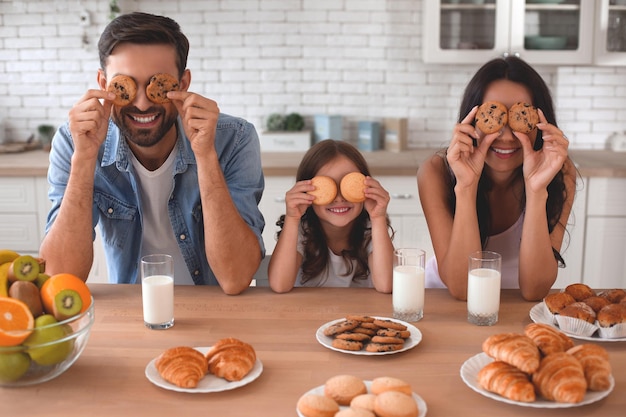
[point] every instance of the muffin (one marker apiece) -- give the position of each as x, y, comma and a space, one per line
579, 291
612, 321
579, 310
596, 302
614, 296
555, 302
578, 319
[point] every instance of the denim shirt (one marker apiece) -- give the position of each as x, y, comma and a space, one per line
117, 208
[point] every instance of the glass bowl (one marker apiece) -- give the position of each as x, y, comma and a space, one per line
39, 362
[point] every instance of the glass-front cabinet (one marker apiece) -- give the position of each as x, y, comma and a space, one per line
539, 31
610, 41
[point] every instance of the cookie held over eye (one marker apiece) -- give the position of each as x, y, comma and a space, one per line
125, 89
491, 117
160, 85
325, 190
353, 187
523, 117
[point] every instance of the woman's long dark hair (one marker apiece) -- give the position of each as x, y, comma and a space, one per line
513, 69
315, 257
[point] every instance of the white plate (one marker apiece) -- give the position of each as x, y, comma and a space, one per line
210, 383
421, 404
540, 314
411, 342
469, 374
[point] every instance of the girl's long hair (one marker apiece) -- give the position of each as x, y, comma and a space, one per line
316, 257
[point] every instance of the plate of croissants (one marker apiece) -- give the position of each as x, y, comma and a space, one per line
228, 364
539, 368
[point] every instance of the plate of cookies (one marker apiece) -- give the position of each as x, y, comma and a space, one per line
382, 396
228, 364
584, 313
368, 335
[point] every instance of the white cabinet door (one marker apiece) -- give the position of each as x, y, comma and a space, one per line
610, 33
605, 236
19, 225
572, 249
474, 32
272, 206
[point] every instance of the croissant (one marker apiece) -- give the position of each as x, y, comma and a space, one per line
547, 338
231, 359
515, 349
506, 380
596, 366
182, 366
560, 378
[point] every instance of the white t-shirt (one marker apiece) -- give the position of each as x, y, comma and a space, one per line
155, 188
506, 244
333, 275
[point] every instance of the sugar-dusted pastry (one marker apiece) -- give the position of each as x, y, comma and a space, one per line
560, 378
547, 338
231, 359
507, 381
596, 365
515, 349
182, 366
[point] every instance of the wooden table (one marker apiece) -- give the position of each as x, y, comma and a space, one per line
108, 379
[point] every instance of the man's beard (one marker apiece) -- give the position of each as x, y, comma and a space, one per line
143, 137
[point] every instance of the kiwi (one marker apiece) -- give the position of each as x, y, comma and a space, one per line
23, 268
41, 278
67, 303
27, 292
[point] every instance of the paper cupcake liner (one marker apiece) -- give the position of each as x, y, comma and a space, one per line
548, 313
614, 332
576, 326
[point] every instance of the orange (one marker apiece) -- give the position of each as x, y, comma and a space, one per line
60, 282
16, 321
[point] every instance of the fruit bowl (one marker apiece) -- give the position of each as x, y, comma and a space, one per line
48, 352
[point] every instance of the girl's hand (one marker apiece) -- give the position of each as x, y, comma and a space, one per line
89, 121
376, 198
542, 165
297, 200
465, 159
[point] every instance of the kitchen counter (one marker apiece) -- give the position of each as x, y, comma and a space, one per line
591, 163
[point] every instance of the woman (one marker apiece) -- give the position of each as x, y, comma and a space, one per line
507, 191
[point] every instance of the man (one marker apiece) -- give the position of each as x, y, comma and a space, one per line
176, 177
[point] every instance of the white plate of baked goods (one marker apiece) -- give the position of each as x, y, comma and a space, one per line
472, 366
368, 335
539, 313
209, 383
367, 400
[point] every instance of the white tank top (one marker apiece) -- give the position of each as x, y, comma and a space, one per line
506, 244
155, 188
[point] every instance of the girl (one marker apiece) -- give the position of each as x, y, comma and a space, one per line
341, 244
506, 192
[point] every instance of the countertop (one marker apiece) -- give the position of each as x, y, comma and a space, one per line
591, 163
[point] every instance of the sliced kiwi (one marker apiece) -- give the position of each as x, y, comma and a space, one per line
24, 268
67, 303
41, 278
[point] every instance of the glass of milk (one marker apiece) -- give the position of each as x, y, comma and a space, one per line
483, 288
157, 291
408, 284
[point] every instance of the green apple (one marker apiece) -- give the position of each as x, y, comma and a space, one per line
50, 354
13, 366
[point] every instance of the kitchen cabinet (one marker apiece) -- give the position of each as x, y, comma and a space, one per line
540, 32
610, 32
405, 211
605, 236
572, 249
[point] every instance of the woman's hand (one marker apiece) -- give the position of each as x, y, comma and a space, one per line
376, 198
297, 200
466, 159
542, 165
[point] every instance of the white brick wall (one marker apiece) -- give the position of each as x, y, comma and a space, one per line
357, 58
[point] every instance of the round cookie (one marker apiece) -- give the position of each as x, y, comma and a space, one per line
389, 324
388, 383
355, 412
491, 117
159, 86
312, 405
340, 327
343, 388
523, 117
353, 187
343, 344
325, 190
395, 404
125, 89
383, 347
364, 401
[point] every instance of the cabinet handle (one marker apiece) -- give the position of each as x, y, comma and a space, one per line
279, 199
401, 196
